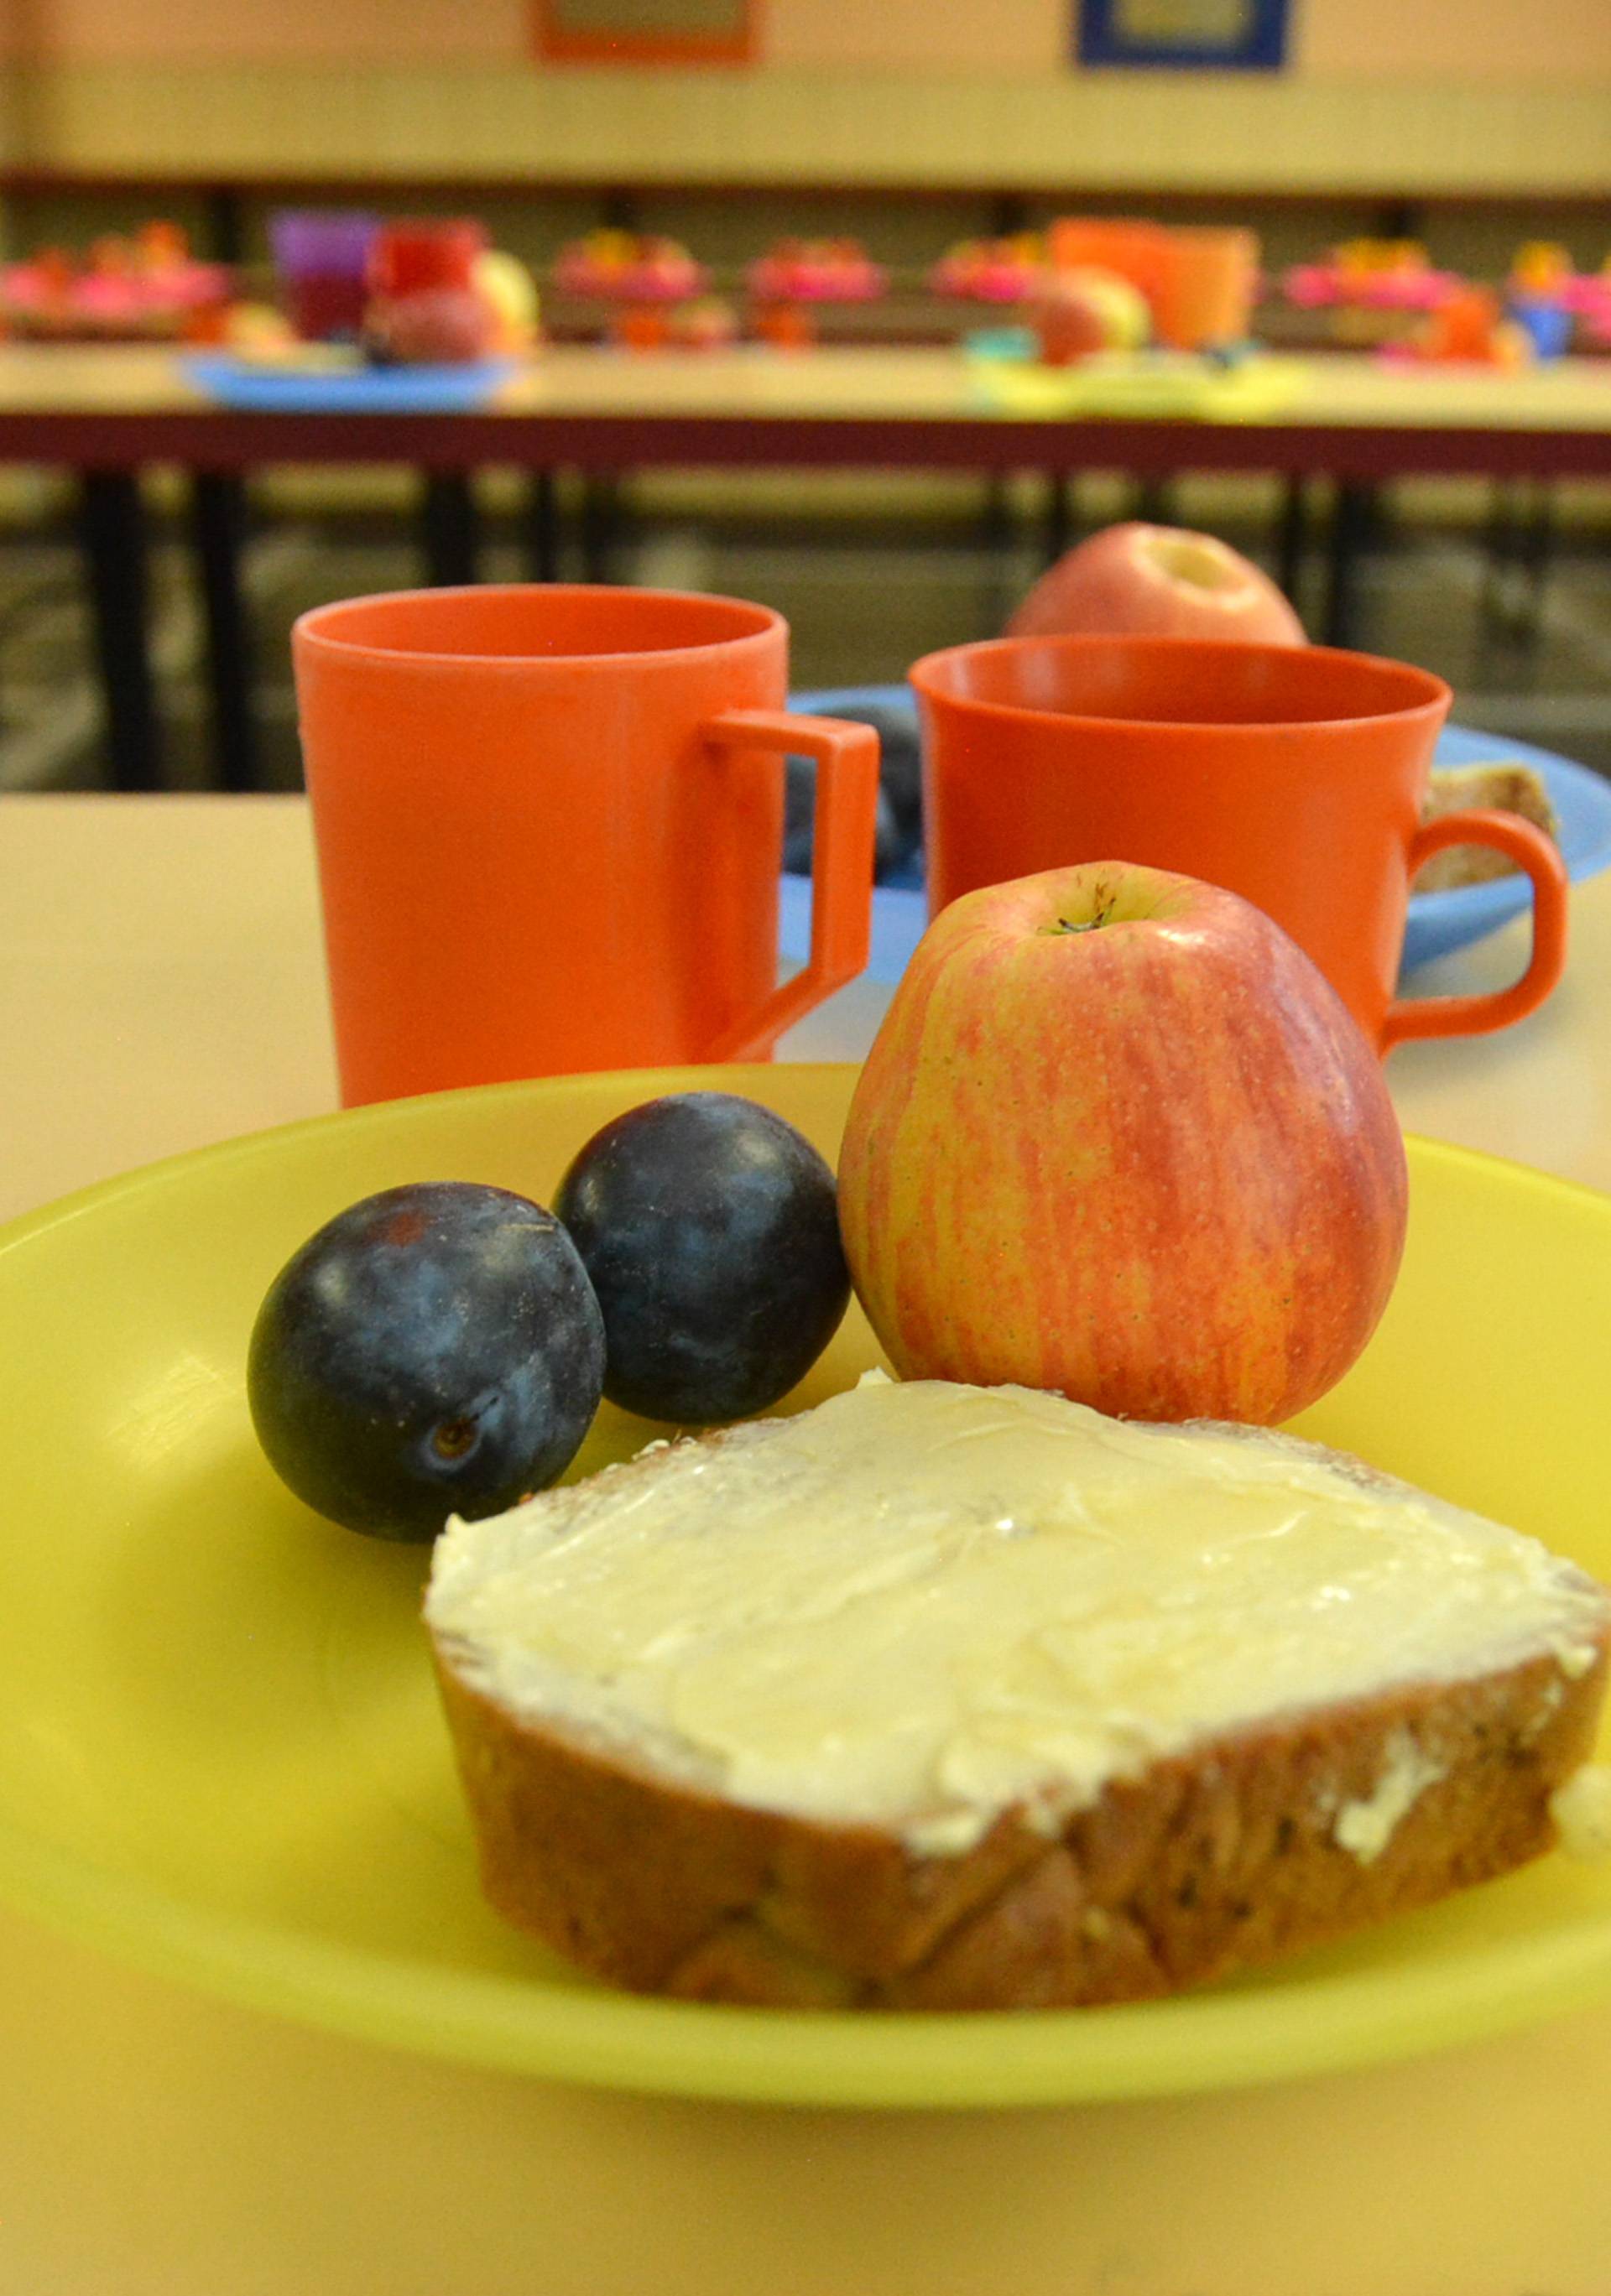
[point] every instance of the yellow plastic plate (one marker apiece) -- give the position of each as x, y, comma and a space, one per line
220, 1752
1147, 385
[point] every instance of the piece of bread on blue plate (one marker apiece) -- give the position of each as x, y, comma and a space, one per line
945, 1697
1501, 787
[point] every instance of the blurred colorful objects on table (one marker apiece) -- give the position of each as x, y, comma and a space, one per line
1375, 274
709, 323
989, 270
417, 291
629, 266
785, 326
1551, 298
140, 288
1535, 296
1108, 285
257, 330
423, 309
321, 259
1472, 327
815, 271
1540, 267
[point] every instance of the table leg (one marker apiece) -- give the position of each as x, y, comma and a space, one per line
996, 512
1499, 548
1519, 547
225, 225
600, 525
1292, 537
542, 527
1154, 502
450, 529
1062, 514
1538, 559
111, 527
1350, 524
218, 525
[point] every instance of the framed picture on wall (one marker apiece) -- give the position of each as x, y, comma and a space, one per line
646, 32
1183, 34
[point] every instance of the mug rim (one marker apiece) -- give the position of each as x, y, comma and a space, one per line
1437, 694
313, 628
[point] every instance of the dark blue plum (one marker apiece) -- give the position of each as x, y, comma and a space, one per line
709, 1230
434, 1351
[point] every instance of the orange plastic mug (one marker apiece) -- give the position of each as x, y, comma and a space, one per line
549, 824
1294, 775
1209, 287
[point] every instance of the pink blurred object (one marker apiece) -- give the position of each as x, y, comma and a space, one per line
1587, 295
989, 270
624, 266
48, 298
1322, 286
815, 271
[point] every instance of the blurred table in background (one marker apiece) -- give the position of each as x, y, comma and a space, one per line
108, 415
161, 988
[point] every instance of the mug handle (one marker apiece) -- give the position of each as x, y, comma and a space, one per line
842, 863
1540, 857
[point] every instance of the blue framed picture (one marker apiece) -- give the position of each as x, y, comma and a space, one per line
1184, 35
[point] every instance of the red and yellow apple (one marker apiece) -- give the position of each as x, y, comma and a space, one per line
432, 326
1077, 312
1117, 1136
1137, 581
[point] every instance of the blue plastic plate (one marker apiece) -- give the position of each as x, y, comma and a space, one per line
256, 388
1438, 923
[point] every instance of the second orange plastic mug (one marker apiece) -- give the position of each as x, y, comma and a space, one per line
549, 822
1294, 775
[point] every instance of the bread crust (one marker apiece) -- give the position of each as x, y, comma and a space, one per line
1202, 1863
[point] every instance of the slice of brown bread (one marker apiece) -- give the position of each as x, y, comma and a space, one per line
1498, 787
633, 1854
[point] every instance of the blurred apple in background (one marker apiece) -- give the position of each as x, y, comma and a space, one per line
1136, 580
1081, 311
509, 292
435, 326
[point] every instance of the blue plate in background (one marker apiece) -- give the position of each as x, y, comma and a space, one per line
1437, 923
252, 387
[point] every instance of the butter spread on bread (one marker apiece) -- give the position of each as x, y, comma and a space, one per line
948, 1616
920, 1602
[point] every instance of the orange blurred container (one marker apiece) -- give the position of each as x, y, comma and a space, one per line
1140, 252
549, 823
1208, 288
1294, 775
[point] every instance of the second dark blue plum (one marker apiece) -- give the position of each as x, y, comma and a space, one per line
435, 1350
708, 1228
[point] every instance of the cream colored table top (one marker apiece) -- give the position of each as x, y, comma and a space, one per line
160, 987
849, 383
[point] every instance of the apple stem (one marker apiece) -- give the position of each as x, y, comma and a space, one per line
1083, 925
